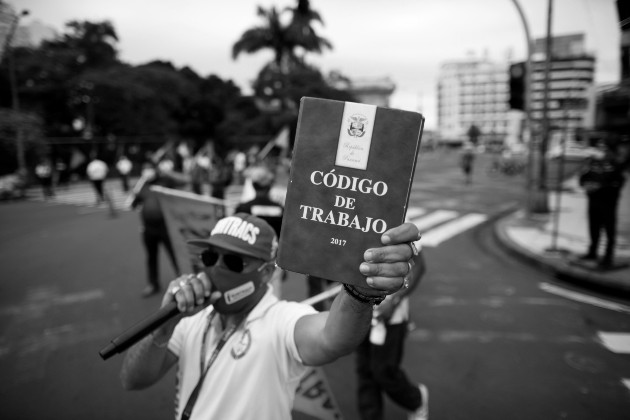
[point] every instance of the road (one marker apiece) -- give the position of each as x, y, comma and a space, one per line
493, 338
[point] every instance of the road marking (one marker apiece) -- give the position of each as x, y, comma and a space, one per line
436, 236
626, 383
413, 212
580, 297
434, 218
486, 337
616, 342
41, 300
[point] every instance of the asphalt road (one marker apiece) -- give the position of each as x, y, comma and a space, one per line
489, 340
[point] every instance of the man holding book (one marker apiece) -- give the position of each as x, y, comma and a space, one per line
240, 351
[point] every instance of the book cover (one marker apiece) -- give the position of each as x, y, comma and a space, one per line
351, 175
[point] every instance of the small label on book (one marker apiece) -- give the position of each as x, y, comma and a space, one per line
355, 137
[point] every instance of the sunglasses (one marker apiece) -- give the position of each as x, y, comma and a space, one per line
233, 262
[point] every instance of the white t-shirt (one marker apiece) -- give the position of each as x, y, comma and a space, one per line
255, 374
97, 170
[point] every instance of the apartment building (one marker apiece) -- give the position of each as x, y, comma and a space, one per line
571, 95
476, 91
473, 91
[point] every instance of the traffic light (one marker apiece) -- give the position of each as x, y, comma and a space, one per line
517, 86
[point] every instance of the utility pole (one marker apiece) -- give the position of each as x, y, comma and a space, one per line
15, 102
541, 204
527, 123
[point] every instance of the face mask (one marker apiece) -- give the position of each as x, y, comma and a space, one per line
239, 290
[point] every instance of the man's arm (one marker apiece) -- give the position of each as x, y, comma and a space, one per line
147, 361
324, 337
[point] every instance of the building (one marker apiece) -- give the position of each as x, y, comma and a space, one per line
473, 92
571, 94
476, 91
373, 91
613, 101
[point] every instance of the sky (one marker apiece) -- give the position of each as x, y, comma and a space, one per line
405, 40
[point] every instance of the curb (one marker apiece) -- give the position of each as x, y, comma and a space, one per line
555, 266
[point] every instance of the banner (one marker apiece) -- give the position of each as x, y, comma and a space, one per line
188, 216
315, 398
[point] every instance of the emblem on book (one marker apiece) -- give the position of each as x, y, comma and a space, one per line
357, 125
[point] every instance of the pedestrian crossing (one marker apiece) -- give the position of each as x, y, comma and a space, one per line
436, 225
83, 195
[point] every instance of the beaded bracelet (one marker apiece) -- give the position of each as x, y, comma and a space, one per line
355, 294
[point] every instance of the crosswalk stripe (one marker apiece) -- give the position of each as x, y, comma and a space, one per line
581, 297
616, 342
436, 236
414, 212
434, 218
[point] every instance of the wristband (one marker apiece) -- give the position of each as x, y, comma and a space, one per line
356, 295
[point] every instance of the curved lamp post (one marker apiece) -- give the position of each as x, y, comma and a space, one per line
19, 144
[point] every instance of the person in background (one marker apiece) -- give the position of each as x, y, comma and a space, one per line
379, 356
603, 180
154, 230
44, 172
263, 179
468, 161
124, 167
97, 173
240, 164
220, 176
240, 351
262, 205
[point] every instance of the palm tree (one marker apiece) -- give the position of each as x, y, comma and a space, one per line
283, 39
301, 30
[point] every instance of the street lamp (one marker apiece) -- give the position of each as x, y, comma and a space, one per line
527, 129
19, 143
537, 191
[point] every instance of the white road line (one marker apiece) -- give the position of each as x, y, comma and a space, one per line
580, 297
434, 218
436, 236
413, 212
616, 342
488, 337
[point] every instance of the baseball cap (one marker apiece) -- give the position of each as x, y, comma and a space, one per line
244, 234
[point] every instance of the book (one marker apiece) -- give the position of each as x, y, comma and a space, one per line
350, 179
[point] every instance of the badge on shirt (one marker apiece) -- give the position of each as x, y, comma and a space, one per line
242, 345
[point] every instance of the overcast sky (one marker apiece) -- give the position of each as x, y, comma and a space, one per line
406, 40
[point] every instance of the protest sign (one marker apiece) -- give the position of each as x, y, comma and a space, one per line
188, 216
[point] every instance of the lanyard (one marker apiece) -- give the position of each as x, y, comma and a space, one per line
204, 369
224, 338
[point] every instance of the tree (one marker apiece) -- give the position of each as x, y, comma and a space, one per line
301, 29
31, 129
283, 39
94, 41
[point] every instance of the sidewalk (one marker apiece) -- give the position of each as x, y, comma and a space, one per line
556, 245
